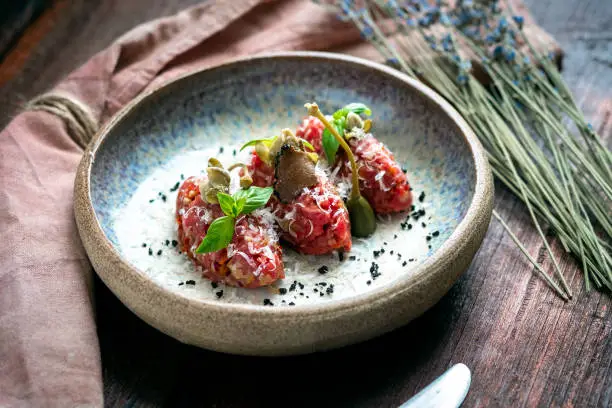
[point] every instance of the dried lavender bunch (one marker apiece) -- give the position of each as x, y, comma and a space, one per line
537, 139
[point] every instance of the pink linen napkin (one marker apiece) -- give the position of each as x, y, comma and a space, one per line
49, 354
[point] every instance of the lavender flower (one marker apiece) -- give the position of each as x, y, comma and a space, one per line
519, 20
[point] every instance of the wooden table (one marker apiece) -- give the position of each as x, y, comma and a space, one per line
524, 345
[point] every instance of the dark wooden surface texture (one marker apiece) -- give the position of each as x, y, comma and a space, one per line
524, 346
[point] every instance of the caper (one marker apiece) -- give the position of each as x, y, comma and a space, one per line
246, 181
353, 120
213, 162
363, 222
218, 177
211, 196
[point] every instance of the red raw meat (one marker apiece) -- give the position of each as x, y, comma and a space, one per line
316, 222
252, 259
381, 180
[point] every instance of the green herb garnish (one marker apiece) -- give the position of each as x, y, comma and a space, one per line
330, 143
339, 123
218, 236
357, 108
242, 202
266, 142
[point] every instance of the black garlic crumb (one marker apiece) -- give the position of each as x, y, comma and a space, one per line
374, 270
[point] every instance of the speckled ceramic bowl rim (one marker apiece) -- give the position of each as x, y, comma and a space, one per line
481, 202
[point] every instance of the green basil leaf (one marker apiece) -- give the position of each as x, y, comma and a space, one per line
340, 113
218, 236
357, 108
268, 142
340, 124
330, 146
239, 205
255, 197
227, 203
241, 195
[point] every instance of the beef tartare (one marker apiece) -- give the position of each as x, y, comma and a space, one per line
253, 258
308, 209
381, 180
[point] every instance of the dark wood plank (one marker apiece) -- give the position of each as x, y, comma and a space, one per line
524, 346
15, 17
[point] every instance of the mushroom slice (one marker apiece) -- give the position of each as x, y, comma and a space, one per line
295, 170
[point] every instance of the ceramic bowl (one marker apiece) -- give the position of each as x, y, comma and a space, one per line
126, 187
